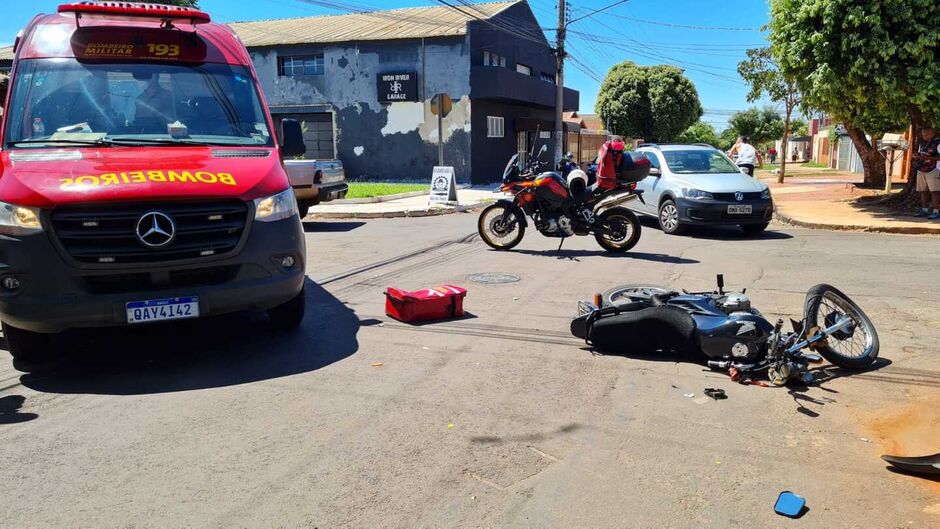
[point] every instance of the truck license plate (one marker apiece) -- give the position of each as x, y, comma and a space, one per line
162, 309
736, 209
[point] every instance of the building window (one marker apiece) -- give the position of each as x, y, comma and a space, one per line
523, 69
494, 127
547, 77
492, 59
292, 65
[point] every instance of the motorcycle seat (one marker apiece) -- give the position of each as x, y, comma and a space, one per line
643, 331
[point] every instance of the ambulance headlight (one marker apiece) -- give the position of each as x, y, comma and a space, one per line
19, 220
276, 207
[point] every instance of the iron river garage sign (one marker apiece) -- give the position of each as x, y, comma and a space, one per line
397, 86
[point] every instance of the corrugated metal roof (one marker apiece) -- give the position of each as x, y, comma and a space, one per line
6, 53
409, 23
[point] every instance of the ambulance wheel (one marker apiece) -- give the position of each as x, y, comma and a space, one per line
26, 347
289, 315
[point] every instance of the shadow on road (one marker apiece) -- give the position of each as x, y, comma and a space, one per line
719, 233
824, 374
10, 410
330, 227
574, 254
199, 354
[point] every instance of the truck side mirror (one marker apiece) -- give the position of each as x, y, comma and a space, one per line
292, 139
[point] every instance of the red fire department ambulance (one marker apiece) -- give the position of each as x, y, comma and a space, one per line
140, 179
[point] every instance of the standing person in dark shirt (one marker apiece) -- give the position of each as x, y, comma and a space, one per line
928, 173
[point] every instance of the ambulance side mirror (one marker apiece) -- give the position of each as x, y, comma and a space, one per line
655, 172
292, 139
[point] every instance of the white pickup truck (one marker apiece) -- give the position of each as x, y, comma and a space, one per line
316, 181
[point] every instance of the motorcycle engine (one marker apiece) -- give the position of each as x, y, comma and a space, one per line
561, 226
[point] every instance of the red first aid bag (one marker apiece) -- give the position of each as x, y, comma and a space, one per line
438, 303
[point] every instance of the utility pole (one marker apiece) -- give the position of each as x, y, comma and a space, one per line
560, 84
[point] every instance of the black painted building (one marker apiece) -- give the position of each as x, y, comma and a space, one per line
363, 83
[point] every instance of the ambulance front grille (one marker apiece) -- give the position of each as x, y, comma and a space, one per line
108, 233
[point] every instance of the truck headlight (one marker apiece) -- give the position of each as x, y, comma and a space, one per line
697, 194
19, 220
765, 194
276, 207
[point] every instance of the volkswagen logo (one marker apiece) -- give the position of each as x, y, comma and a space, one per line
155, 229
739, 196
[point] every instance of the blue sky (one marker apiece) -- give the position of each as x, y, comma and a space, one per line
680, 32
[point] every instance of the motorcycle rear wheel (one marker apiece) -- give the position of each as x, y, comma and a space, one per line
494, 233
631, 293
627, 234
855, 348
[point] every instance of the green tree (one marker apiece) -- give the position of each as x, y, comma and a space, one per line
799, 127
727, 138
701, 132
760, 125
871, 64
182, 3
761, 72
655, 103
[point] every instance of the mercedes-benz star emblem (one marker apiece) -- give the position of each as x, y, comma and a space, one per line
739, 196
155, 229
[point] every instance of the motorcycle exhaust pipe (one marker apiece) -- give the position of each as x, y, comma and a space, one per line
719, 365
615, 200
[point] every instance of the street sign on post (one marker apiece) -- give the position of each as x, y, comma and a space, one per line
439, 101
441, 105
443, 186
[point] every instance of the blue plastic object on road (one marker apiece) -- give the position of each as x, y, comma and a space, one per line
790, 504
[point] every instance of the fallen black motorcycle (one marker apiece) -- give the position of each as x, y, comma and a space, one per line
563, 206
732, 335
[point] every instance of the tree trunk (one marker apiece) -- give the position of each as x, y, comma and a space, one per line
872, 161
784, 144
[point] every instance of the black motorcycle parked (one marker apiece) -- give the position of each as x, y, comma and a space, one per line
732, 335
559, 208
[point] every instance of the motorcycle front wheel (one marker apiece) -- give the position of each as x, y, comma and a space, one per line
624, 230
853, 348
498, 234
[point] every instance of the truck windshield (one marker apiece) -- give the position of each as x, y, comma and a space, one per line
699, 161
64, 101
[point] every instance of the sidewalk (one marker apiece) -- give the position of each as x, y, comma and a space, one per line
828, 199
408, 206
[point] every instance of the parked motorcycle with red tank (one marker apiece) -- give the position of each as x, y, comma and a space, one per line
563, 207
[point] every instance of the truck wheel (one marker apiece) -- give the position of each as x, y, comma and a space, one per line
287, 316
303, 209
26, 347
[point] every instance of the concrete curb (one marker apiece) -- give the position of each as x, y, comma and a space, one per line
383, 198
396, 214
901, 230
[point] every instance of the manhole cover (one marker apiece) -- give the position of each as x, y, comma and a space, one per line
493, 278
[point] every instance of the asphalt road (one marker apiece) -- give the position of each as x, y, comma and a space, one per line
498, 420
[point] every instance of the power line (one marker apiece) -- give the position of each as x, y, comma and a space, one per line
596, 11
683, 26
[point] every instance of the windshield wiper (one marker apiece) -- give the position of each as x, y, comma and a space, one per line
57, 142
164, 141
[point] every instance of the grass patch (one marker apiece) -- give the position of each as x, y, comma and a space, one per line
814, 165
378, 189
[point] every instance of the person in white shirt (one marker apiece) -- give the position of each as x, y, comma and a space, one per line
748, 156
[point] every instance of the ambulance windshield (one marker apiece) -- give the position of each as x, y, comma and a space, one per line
64, 101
